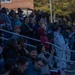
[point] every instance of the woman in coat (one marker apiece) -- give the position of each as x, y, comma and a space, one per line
60, 42
41, 31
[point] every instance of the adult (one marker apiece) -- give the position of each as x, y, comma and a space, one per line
32, 55
5, 19
36, 68
42, 34
11, 50
17, 30
60, 42
25, 28
48, 59
22, 66
18, 22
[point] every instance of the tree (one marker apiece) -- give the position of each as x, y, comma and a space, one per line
60, 7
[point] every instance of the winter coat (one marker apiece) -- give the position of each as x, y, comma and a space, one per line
64, 55
43, 37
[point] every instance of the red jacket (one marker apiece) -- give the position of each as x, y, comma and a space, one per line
43, 37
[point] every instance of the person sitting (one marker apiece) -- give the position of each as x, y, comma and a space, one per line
22, 66
32, 55
36, 68
16, 30
48, 59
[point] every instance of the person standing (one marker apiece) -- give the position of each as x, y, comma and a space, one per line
60, 42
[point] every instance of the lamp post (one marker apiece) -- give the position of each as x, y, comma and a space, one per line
51, 14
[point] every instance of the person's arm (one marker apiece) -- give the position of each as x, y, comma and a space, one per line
26, 50
8, 22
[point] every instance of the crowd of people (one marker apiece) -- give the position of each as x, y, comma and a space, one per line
16, 58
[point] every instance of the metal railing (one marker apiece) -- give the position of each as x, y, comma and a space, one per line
59, 47
34, 39
20, 35
24, 43
45, 51
49, 54
65, 70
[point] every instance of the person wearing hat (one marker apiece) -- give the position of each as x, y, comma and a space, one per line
17, 30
